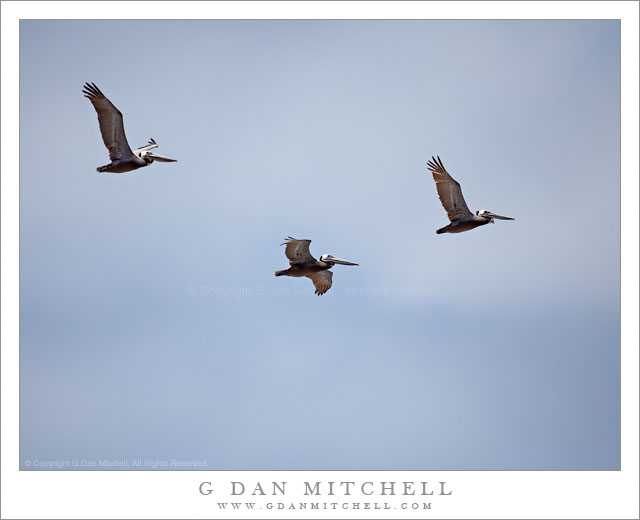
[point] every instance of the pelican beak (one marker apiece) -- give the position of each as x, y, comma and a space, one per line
495, 215
337, 260
159, 158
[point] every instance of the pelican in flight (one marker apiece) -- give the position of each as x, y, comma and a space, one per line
453, 202
112, 129
303, 264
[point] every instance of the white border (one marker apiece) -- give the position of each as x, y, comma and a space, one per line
175, 494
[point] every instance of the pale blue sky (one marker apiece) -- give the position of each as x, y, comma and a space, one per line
152, 325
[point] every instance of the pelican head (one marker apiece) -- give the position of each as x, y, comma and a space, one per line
150, 157
331, 260
490, 215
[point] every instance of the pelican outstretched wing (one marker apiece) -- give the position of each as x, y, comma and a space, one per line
297, 251
149, 146
449, 191
111, 125
322, 281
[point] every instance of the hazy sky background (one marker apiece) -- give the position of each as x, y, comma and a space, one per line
152, 326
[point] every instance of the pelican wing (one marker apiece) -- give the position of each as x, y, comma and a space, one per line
449, 191
149, 146
297, 251
322, 281
111, 125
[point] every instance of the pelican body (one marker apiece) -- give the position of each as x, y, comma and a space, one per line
304, 264
471, 222
123, 159
450, 194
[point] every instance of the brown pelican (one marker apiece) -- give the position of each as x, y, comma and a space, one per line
453, 202
112, 129
303, 264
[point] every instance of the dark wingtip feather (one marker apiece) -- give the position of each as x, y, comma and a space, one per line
91, 90
287, 240
436, 164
